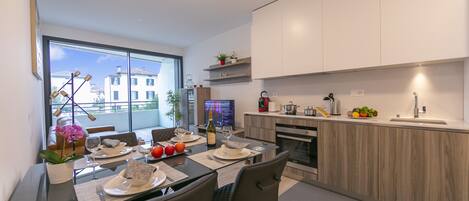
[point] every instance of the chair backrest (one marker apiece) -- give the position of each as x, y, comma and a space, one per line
99, 129
260, 181
129, 138
164, 134
200, 190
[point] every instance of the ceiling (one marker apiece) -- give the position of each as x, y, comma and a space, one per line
174, 22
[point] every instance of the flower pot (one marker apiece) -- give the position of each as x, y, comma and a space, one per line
222, 62
60, 173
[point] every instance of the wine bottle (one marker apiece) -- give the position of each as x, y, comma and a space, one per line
211, 131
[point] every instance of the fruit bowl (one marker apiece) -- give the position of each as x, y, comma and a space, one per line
362, 113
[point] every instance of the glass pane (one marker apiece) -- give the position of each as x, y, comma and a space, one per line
105, 96
154, 77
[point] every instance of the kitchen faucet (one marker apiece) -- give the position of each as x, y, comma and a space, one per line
416, 106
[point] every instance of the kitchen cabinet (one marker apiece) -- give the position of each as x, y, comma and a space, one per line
351, 34
266, 42
348, 157
259, 127
423, 30
302, 36
418, 165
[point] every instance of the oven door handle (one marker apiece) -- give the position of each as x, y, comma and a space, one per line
293, 138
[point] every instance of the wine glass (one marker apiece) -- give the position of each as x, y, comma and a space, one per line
92, 144
145, 150
227, 132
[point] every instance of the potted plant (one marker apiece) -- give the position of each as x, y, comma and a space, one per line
222, 58
173, 99
60, 165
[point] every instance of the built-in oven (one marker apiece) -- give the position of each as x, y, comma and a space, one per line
302, 144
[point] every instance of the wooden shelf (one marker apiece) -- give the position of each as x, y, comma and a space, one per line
228, 77
240, 62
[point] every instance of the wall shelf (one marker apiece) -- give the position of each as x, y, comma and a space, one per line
229, 77
231, 72
239, 63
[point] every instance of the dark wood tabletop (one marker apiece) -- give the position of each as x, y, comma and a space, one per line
35, 185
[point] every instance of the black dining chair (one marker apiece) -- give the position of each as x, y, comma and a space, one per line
255, 182
202, 189
163, 134
129, 138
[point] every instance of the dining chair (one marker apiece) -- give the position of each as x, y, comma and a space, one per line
255, 182
163, 134
129, 138
202, 189
100, 129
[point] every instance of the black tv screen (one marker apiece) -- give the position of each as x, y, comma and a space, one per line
223, 112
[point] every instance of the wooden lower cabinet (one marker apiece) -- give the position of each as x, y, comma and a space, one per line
348, 157
259, 127
418, 165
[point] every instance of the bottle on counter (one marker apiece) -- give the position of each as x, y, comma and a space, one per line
211, 131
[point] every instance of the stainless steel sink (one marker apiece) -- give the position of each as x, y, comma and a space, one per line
419, 120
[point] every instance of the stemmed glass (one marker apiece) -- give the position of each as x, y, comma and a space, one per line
227, 132
144, 150
92, 144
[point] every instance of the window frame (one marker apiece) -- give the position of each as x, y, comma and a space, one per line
46, 40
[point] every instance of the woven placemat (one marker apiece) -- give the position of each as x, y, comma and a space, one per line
208, 160
87, 191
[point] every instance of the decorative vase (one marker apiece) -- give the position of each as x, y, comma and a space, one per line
60, 173
222, 62
233, 61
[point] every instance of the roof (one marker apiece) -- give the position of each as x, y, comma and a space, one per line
136, 71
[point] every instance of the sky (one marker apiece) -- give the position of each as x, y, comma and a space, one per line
97, 64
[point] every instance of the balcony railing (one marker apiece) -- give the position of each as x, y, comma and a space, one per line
108, 107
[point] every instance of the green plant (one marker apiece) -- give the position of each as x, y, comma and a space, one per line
222, 57
173, 99
55, 158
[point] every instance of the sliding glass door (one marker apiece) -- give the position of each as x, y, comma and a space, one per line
128, 103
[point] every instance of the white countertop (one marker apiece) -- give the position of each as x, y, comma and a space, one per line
452, 126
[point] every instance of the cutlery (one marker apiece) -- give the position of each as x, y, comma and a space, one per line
100, 192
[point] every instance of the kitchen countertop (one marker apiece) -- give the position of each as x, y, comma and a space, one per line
451, 126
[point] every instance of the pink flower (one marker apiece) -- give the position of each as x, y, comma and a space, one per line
70, 132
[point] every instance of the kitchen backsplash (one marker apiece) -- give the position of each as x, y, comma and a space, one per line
439, 87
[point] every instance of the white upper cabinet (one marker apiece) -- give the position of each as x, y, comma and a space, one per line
351, 34
302, 36
424, 30
266, 42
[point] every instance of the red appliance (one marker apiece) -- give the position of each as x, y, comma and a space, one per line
264, 102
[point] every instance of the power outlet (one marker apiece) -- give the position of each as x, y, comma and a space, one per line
357, 92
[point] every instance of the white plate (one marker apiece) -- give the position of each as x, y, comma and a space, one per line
117, 187
101, 155
191, 139
221, 155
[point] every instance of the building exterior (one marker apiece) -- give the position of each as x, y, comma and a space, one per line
143, 88
87, 94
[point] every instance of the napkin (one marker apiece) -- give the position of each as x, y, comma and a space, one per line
138, 171
109, 143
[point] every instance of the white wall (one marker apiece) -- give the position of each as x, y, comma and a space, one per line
101, 38
166, 81
21, 103
440, 86
201, 55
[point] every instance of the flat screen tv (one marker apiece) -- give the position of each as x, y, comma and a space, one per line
223, 112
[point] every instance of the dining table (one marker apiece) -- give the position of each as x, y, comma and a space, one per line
181, 170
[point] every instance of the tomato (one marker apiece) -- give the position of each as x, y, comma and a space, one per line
180, 146
363, 115
157, 152
169, 150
